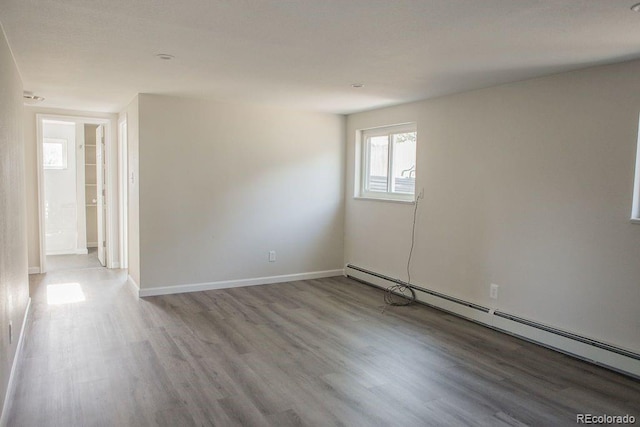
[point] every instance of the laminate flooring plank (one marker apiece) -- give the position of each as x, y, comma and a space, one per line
596, 402
502, 420
349, 390
491, 396
406, 396
96, 406
288, 418
247, 383
296, 335
335, 410
230, 335
241, 410
200, 326
225, 306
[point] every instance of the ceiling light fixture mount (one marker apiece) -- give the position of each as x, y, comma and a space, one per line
29, 96
165, 56
636, 7
357, 85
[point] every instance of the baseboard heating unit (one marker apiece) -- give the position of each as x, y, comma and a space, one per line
597, 352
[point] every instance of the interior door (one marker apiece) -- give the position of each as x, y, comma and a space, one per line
60, 187
101, 193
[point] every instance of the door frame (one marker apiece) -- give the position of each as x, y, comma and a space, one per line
101, 204
123, 189
111, 220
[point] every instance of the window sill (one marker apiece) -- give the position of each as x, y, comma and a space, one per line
380, 199
635, 220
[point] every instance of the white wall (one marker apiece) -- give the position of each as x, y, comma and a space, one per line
30, 141
527, 185
222, 184
60, 196
14, 282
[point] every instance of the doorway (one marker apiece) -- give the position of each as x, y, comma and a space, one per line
73, 190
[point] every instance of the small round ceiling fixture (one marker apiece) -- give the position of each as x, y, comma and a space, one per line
636, 7
165, 56
29, 96
357, 85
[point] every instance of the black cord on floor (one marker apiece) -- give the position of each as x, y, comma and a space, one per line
396, 295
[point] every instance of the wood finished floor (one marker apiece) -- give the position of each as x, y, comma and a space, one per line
315, 353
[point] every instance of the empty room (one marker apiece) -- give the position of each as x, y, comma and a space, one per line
319, 213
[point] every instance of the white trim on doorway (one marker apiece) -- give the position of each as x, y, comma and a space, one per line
123, 189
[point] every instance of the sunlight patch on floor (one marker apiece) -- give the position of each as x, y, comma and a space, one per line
64, 293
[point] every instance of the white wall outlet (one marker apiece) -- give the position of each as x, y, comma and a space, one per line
272, 256
493, 291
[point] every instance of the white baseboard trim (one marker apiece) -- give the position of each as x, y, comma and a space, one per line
34, 270
606, 355
178, 289
92, 244
12, 376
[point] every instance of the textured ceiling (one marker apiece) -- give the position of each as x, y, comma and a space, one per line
97, 54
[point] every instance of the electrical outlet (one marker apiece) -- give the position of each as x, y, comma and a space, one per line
272, 256
10, 332
493, 291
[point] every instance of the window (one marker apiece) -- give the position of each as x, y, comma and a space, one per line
388, 168
54, 153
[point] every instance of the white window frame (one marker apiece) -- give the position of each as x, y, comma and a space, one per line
365, 135
64, 156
